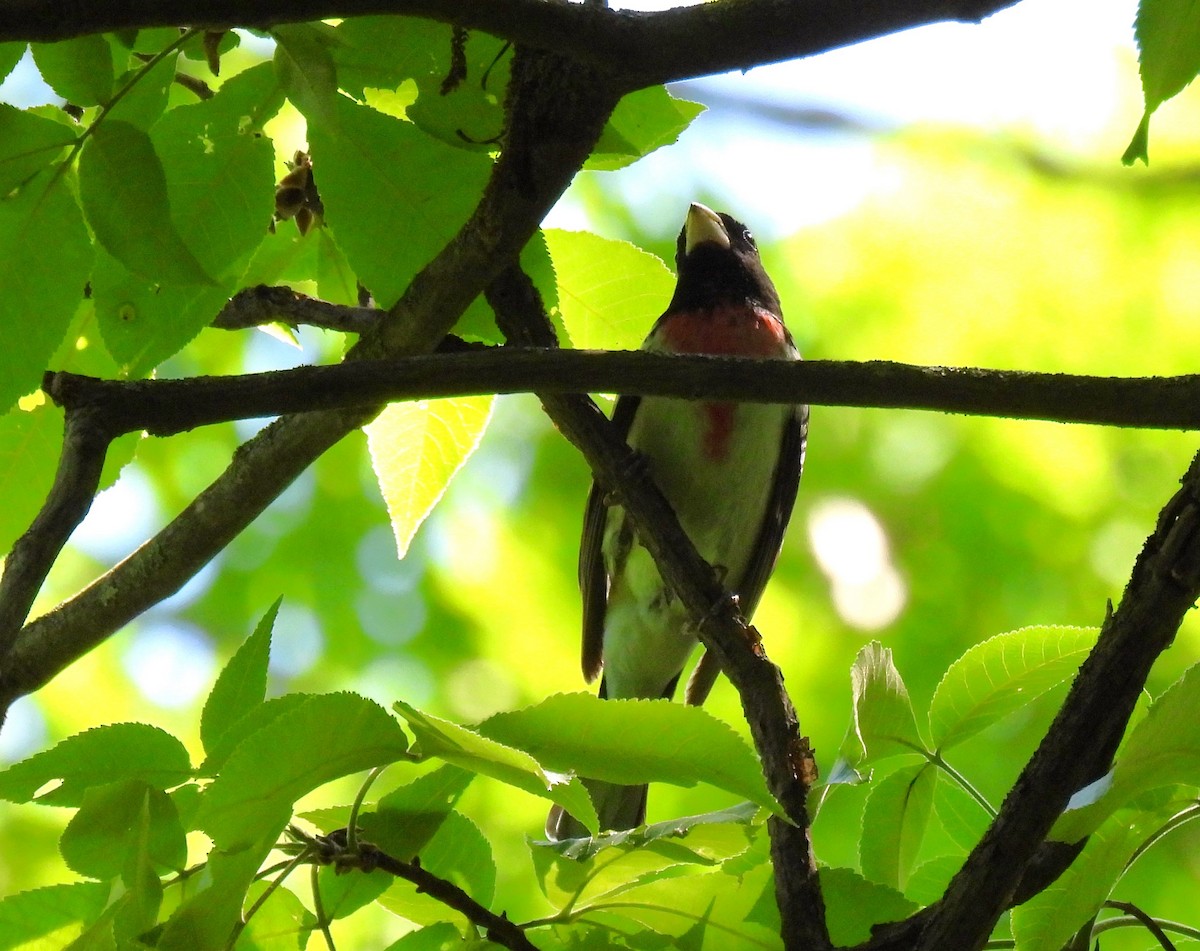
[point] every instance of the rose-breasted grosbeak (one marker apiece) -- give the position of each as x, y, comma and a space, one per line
729, 470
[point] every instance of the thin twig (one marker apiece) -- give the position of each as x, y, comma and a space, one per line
1147, 922
256, 306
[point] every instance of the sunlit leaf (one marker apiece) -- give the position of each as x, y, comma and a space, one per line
41, 291
280, 923
1048, 920
1168, 38
27, 144
54, 914
416, 448
242, 684
884, 724
462, 747
325, 737
79, 69
124, 193
104, 754
621, 741
1001, 675
894, 822
1162, 750
107, 830
642, 122
853, 905
609, 292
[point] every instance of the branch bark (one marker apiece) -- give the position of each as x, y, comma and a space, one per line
647, 48
1081, 742
164, 407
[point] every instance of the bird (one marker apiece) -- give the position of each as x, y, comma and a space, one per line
730, 471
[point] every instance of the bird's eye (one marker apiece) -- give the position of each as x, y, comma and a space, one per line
749, 238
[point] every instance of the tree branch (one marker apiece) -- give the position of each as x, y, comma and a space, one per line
1080, 744
262, 304
787, 758
647, 48
164, 407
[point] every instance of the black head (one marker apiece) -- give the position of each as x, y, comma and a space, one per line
718, 263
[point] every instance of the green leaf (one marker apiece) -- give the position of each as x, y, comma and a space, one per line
28, 143
52, 916
241, 686
393, 195
107, 830
140, 904
41, 291
459, 853
442, 936
323, 738
205, 919
963, 818
895, 818
80, 70
435, 737
30, 443
634, 741
147, 93
853, 905
415, 812
929, 880
884, 724
305, 67
104, 754
1162, 750
1048, 920
1002, 675
124, 194
10, 55
609, 292
1168, 39
255, 719
642, 122
280, 923
416, 448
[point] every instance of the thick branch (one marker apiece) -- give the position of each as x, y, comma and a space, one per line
1084, 736
163, 407
787, 758
647, 48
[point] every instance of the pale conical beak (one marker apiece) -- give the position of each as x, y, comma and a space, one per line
703, 226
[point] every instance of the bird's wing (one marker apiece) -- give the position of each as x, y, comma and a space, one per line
593, 577
766, 547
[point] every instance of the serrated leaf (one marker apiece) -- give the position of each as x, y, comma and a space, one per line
41, 291
28, 143
10, 55
384, 186
1002, 675
435, 737
253, 720
884, 724
853, 905
108, 829
964, 819
205, 919
442, 936
643, 121
242, 684
80, 69
634, 741
929, 880
124, 193
416, 448
104, 754
609, 292
54, 915
895, 818
1048, 920
1168, 39
1162, 750
325, 737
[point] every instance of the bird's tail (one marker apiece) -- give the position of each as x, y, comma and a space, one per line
619, 808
